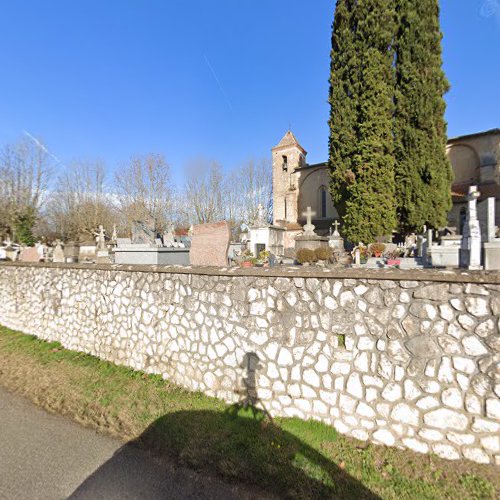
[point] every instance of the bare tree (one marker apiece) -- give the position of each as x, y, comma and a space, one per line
25, 168
251, 185
81, 202
211, 196
145, 191
204, 193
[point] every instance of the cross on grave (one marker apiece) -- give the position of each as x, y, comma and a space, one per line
336, 232
309, 227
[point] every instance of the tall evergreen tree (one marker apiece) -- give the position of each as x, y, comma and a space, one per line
422, 170
361, 138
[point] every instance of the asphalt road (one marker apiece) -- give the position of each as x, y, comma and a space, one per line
45, 456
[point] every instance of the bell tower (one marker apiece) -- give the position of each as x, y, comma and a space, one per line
288, 156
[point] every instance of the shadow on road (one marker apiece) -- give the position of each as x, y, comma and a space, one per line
241, 445
238, 448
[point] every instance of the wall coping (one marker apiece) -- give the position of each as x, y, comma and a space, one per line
437, 275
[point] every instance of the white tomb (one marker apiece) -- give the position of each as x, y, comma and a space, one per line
264, 236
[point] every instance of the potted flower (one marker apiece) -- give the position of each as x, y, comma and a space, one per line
263, 258
247, 259
393, 257
376, 249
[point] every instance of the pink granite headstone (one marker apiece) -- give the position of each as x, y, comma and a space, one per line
29, 254
210, 244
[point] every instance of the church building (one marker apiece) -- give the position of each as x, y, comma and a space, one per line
475, 160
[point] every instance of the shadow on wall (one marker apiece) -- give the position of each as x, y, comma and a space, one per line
248, 389
239, 445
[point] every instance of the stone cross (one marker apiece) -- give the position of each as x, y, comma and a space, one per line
336, 224
309, 227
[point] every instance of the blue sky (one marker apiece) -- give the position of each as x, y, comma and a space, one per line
219, 79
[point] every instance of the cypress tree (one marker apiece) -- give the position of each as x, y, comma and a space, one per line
361, 157
423, 173
24, 222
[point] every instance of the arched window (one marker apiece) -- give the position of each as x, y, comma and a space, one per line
322, 202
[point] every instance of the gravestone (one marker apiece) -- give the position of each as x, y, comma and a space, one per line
114, 236
309, 239
58, 253
486, 216
335, 241
87, 251
210, 244
42, 251
29, 254
11, 252
169, 238
123, 241
470, 251
71, 251
142, 234
101, 240
491, 244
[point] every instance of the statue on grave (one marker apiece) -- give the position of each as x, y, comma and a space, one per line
169, 237
260, 220
410, 244
100, 239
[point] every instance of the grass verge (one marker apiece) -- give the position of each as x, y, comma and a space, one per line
286, 457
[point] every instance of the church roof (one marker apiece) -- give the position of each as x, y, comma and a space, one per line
289, 140
493, 131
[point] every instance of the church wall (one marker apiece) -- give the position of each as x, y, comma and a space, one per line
476, 152
465, 163
310, 182
475, 159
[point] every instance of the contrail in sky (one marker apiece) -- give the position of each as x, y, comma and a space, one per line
41, 146
214, 74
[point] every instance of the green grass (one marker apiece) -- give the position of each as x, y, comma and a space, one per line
288, 457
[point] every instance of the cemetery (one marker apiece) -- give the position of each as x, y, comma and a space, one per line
211, 245
360, 293
391, 342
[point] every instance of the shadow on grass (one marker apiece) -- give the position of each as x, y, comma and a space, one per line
239, 446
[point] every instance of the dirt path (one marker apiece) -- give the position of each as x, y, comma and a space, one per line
45, 456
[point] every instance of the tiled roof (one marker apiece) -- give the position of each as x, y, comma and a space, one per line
493, 131
289, 140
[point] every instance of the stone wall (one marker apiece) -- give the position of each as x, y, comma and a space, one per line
398, 358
